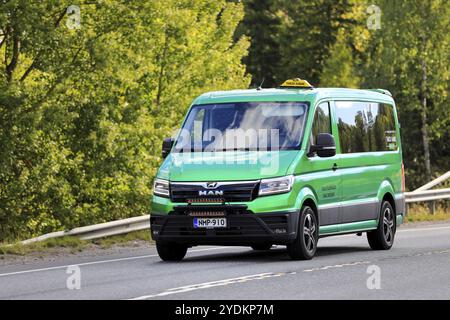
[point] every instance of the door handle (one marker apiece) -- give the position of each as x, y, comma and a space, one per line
335, 167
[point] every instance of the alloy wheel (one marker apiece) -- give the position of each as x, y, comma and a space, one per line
309, 232
388, 225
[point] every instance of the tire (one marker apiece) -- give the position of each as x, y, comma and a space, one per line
262, 247
304, 246
383, 237
171, 252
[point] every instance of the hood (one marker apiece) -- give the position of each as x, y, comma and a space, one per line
226, 166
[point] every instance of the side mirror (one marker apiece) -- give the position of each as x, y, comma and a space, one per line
167, 146
325, 147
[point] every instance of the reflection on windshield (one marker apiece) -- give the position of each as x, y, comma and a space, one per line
243, 127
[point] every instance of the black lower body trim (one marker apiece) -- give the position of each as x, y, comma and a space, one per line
242, 229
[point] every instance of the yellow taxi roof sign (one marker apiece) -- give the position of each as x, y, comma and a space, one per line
296, 83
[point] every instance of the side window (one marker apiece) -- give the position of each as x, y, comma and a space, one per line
366, 127
322, 121
385, 130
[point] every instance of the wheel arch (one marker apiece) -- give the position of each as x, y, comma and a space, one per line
306, 196
389, 198
386, 193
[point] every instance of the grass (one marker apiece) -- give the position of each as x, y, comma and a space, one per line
420, 213
123, 240
73, 244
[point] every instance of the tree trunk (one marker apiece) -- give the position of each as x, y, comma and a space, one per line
162, 61
15, 55
424, 129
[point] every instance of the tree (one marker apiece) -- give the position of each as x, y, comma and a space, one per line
339, 69
261, 23
83, 108
309, 29
342, 66
291, 39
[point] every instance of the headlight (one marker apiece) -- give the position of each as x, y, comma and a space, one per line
161, 188
275, 186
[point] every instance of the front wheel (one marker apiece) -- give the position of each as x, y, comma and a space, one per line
383, 237
304, 246
171, 252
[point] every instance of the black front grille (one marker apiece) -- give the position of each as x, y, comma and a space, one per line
193, 192
237, 225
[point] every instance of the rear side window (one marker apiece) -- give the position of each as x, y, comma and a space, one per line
322, 121
366, 127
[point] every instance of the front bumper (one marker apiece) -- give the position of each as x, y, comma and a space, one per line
243, 227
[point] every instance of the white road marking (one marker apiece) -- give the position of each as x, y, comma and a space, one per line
206, 285
357, 263
261, 276
243, 279
107, 261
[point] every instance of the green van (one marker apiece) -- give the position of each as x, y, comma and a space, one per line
282, 166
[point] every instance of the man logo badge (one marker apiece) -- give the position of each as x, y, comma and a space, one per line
211, 185
211, 193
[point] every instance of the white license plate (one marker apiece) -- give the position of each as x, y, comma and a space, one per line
210, 223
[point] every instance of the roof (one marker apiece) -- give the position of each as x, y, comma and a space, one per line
283, 94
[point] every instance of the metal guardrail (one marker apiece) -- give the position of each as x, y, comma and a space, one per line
427, 195
143, 222
100, 230
423, 194
434, 183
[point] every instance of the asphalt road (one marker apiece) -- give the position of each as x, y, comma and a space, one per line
417, 267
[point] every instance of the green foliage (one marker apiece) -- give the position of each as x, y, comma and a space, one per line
262, 23
83, 111
291, 39
339, 69
309, 30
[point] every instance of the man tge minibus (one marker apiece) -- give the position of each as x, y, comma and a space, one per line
283, 166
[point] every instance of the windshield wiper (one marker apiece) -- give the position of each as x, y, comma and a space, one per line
235, 149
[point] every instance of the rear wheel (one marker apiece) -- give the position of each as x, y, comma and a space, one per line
304, 246
383, 237
262, 247
171, 252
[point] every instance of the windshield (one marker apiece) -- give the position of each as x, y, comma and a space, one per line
243, 126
